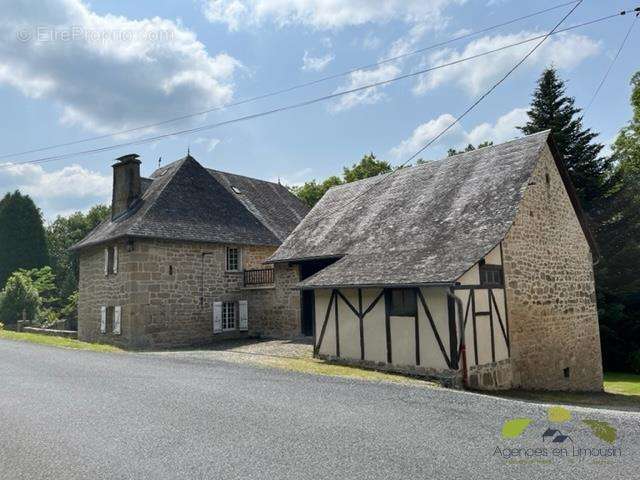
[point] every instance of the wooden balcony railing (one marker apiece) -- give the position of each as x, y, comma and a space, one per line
258, 277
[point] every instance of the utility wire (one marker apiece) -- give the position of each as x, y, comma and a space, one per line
613, 61
461, 116
300, 104
291, 88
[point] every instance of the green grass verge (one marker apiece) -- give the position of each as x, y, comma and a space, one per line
320, 367
56, 341
622, 383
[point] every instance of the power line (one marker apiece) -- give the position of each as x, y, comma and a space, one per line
613, 61
467, 111
291, 88
296, 105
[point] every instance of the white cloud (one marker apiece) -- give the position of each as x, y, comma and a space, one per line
371, 41
105, 71
424, 133
502, 130
316, 64
383, 72
323, 14
565, 51
210, 143
68, 189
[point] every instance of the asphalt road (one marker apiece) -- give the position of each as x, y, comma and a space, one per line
83, 415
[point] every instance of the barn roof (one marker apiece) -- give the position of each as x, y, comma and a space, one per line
426, 224
185, 201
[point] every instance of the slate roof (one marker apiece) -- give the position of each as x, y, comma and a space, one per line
421, 225
185, 201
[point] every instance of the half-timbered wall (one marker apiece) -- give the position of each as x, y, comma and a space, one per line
354, 324
486, 329
387, 340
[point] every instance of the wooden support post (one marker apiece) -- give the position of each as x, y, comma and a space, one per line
337, 325
361, 321
453, 336
493, 340
387, 323
472, 292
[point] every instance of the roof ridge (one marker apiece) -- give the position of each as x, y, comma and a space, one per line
245, 176
428, 163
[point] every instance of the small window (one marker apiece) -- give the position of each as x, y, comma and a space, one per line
491, 275
110, 260
402, 302
233, 259
236, 190
228, 316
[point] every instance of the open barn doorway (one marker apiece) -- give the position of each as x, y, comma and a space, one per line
308, 269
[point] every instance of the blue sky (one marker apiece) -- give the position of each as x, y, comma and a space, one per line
71, 70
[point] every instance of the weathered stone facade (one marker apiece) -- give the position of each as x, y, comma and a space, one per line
167, 289
553, 322
276, 311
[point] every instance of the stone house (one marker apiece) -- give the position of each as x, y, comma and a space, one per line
477, 267
180, 261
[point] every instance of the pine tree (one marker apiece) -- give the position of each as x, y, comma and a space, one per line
22, 237
552, 109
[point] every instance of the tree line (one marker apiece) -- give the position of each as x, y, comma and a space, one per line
38, 273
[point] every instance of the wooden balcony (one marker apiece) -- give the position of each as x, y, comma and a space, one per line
258, 277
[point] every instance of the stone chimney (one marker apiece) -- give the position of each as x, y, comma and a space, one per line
126, 184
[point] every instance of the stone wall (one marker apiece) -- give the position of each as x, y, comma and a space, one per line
550, 290
167, 289
277, 309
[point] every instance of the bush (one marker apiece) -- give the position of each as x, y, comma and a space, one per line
19, 295
634, 361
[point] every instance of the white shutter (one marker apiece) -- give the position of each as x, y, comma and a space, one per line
106, 261
117, 320
217, 317
103, 319
244, 314
115, 259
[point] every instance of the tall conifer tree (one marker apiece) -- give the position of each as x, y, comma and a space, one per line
22, 237
552, 109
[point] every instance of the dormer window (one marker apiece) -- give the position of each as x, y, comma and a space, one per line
236, 190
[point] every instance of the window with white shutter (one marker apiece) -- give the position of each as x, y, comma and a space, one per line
117, 320
228, 316
243, 308
217, 317
103, 319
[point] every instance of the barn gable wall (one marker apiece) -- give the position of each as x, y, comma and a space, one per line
555, 343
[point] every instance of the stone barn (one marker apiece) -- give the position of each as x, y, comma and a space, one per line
477, 267
181, 260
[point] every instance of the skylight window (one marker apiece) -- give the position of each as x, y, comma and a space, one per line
236, 190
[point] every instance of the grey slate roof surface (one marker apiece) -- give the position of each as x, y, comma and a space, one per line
185, 201
420, 225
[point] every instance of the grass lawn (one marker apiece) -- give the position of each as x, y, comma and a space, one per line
56, 341
622, 383
621, 391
